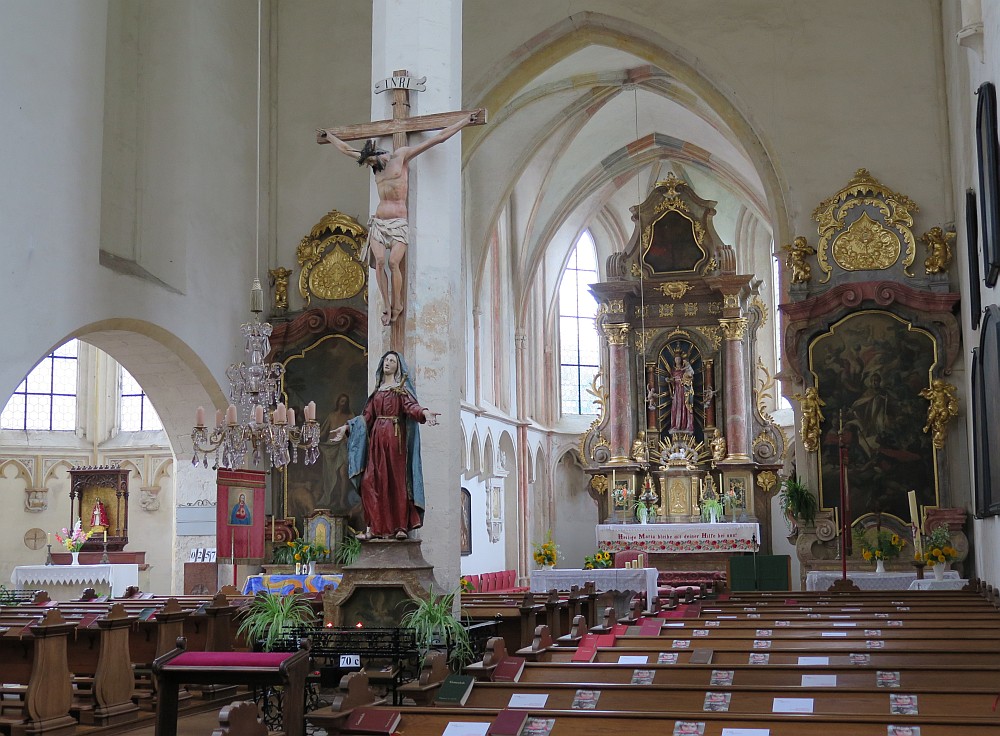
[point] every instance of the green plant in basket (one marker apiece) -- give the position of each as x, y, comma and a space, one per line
937, 546
435, 625
598, 560
272, 617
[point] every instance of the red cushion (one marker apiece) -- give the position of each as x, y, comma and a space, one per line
228, 659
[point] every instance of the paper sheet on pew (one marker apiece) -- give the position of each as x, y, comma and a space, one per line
813, 661
746, 732
531, 700
819, 681
633, 659
792, 705
466, 728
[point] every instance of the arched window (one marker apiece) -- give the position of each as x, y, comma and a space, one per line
579, 348
46, 398
135, 413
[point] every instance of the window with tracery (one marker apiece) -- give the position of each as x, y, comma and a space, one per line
46, 398
135, 412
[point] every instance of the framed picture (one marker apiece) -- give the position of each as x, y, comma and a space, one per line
972, 236
987, 416
465, 532
988, 159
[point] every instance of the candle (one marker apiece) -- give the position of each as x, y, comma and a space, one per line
50, 537
914, 519
290, 417
258, 414
105, 536
279, 414
272, 528
311, 411
231, 416
614, 487
199, 416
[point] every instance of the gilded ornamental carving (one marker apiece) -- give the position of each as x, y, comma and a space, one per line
329, 258
943, 408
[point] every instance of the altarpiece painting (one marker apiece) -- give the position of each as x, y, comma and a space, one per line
870, 368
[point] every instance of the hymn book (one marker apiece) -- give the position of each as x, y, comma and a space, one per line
372, 721
455, 689
509, 669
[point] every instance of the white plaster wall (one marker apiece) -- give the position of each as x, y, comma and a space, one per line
966, 71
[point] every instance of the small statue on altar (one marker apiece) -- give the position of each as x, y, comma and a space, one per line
718, 446
796, 262
99, 516
812, 416
943, 406
938, 250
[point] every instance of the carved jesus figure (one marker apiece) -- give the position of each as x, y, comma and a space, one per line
388, 228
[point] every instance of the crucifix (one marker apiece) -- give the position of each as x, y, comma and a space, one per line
388, 228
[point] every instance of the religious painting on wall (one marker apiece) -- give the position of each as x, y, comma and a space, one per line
333, 372
239, 514
465, 531
986, 415
869, 369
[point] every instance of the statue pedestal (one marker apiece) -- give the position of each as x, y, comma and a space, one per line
386, 574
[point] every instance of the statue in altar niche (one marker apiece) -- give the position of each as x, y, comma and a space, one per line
681, 394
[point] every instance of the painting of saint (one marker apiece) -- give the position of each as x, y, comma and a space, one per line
888, 454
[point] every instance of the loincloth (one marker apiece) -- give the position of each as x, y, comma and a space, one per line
385, 232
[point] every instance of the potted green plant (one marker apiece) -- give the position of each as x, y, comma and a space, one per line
270, 618
349, 550
711, 510
435, 625
797, 503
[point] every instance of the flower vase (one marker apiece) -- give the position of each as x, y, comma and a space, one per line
643, 514
76, 559
298, 568
880, 566
938, 571
312, 568
547, 567
713, 516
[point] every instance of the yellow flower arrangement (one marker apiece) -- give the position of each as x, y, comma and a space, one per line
937, 547
547, 552
884, 546
598, 560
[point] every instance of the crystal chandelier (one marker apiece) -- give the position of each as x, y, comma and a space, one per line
255, 387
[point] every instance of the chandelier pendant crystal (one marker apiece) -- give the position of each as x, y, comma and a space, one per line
268, 432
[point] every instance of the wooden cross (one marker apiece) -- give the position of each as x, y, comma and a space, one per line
401, 123
399, 127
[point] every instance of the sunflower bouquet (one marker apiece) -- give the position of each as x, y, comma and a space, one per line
883, 546
547, 552
937, 547
597, 561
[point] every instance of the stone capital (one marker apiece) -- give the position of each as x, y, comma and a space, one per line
616, 333
733, 328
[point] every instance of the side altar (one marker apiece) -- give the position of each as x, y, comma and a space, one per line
684, 430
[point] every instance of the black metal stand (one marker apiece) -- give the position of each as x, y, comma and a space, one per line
48, 555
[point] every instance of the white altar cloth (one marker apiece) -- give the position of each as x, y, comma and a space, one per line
932, 584
612, 578
820, 580
722, 537
118, 577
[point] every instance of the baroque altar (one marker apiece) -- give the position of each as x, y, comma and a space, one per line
683, 423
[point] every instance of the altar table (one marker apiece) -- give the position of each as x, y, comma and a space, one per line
117, 577
821, 580
721, 537
624, 582
285, 584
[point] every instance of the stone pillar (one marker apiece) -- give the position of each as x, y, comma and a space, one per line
619, 395
425, 38
734, 330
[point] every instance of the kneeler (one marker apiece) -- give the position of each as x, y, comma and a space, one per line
231, 668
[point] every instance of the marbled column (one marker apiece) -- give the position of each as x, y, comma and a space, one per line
734, 330
619, 395
710, 390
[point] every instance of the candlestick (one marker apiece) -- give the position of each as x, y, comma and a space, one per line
48, 555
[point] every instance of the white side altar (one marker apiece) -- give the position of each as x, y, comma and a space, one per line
820, 580
70, 579
624, 582
722, 537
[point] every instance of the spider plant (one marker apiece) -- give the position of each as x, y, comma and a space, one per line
270, 618
435, 625
349, 549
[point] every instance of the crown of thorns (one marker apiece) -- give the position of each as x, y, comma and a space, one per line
370, 150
